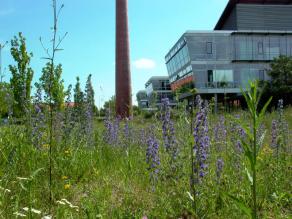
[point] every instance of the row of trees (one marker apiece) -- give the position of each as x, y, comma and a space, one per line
16, 97
280, 84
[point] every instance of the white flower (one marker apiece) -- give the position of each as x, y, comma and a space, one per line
22, 178
19, 214
60, 202
32, 210
47, 217
5, 190
65, 201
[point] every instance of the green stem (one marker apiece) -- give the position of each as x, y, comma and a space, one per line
254, 192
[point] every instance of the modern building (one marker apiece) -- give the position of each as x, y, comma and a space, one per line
247, 37
142, 99
156, 88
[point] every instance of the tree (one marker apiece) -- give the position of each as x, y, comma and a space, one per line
110, 105
78, 100
280, 85
56, 93
22, 75
89, 94
5, 99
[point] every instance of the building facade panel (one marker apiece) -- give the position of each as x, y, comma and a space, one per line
263, 17
231, 22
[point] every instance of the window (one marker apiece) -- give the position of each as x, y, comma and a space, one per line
262, 75
223, 76
209, 47
260, 47
210, 76
162, 85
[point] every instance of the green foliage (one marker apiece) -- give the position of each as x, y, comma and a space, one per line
280, 85
79, 98
89, 94
110, 105
53, 85
6, 98
153, 100
22, 75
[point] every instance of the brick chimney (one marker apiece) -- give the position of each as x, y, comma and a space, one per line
123, 72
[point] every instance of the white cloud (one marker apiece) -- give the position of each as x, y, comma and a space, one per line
144, 63
5, 12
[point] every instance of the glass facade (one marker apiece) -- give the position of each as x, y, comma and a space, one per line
180, 59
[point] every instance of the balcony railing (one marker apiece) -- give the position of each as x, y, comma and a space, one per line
218, 85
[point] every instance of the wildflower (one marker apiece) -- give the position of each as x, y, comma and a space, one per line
5, 190
47, 217
219, 168
112, 129
61, 202
64, 177
202, 142
168, 133
66, 202
32, 210
19, 214
220, 134
67, 186
45, 146
89, 105
152, 157
67, 152
127, 129
22, 178
38, 121
279, 131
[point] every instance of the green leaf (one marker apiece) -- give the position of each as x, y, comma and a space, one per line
247, 152
249, 176
264, 109
35, 173
241, 205
190, 196
247, 98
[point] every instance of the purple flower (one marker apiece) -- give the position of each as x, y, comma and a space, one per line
152, 157
111, 135
38, 121
220, 133
219, 168
168, 133
202, 141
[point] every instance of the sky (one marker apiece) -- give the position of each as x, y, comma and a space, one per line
89, 47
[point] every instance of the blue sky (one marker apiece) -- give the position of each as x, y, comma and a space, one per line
89, 48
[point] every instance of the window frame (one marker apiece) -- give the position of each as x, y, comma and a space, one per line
260, 47
209, 47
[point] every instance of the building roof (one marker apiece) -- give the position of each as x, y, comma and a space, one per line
156, 78
232, 3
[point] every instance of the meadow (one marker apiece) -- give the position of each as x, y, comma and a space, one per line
176, 164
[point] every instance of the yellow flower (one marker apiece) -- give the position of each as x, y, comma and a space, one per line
46, 145
67, 186
67, 152
64, 177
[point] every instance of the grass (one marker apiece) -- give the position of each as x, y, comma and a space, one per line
112, 181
